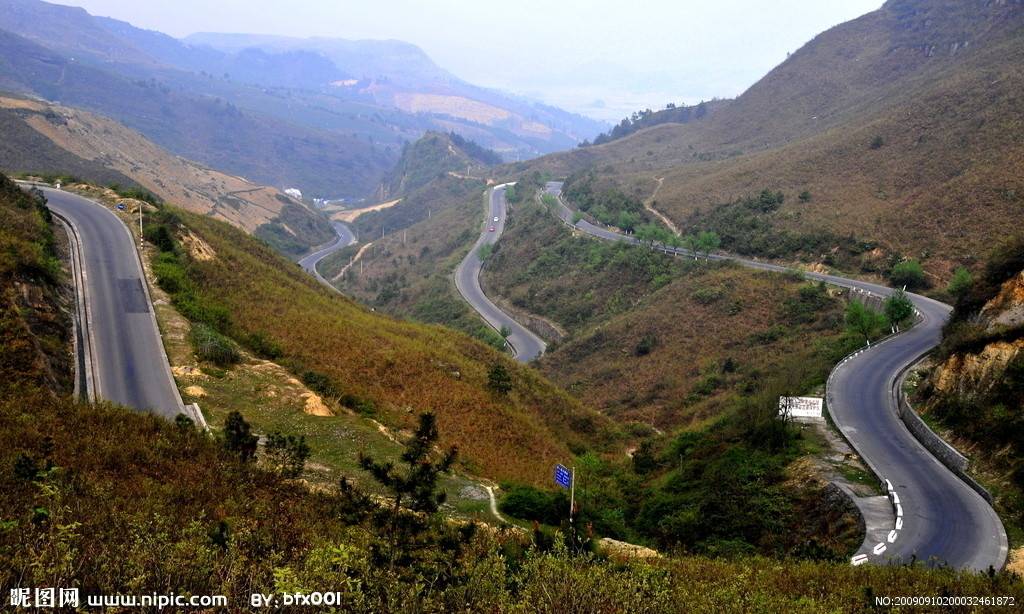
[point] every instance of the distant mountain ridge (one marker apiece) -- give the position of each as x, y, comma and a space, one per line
891, 136
262, 147
374, 95
48, 139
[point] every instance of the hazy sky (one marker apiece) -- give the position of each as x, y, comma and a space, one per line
572, 53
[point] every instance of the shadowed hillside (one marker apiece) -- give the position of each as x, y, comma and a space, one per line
55, 140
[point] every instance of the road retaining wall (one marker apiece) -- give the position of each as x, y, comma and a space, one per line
940, 449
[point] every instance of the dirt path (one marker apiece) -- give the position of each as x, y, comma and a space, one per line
351, 215
649, 205
494, 505
355, 259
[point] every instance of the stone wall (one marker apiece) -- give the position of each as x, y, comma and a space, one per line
947, 454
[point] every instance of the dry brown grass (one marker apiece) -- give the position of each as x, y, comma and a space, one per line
404, 368
946, 181
694, 339
693, 317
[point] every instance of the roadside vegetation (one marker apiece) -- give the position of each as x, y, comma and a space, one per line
693, 355
976, 391
115, 501
364, 362
35, 338
407, 273
119, 502
608, 205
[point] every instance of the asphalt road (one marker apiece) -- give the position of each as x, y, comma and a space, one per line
526, 346
344, 239
131, 367
945, 521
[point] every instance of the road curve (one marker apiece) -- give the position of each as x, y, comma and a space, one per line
945, 521
526, 346
131, 366
344, 239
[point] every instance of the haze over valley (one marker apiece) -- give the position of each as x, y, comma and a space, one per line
470, 307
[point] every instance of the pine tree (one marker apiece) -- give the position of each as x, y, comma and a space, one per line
498, 379
410, 536
238, 437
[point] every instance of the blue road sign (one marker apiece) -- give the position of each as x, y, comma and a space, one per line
562, 476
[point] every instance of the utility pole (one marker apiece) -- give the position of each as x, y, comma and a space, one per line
572, 493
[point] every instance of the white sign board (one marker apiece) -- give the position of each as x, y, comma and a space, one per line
800, 407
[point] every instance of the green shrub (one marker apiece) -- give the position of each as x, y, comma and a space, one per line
862, 321
706, 296
238, 437
170, 275
529, 503
960, 282
214, 347
498, 379
321, 384
286, 455
647, 343
908, 273
203, 310
160, 236
360, 405
898, 307
264, 346
769, 336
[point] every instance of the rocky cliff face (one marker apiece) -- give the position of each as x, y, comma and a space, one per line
972, 373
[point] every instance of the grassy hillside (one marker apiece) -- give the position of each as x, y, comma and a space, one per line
26, 150
113, 501
664, 340
130, 504
408, 273
35, 336
898, 127
375, 364
434, 156
53, 139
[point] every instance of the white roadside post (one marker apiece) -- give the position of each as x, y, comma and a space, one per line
572, 493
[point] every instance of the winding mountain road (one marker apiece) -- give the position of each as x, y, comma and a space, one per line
944, 522
129, 363
344, 238
526, 346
